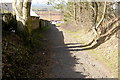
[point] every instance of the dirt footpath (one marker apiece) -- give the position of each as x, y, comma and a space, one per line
69, 61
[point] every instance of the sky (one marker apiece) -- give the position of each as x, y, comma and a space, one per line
33, 1
45, 1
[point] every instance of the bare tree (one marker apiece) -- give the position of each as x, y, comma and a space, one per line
95, 28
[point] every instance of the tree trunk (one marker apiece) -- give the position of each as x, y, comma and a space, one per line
75, 11
26, 16
13, 7
95, 29
21, 8
105, 6
18, 11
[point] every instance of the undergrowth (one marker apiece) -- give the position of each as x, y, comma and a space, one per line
18, 56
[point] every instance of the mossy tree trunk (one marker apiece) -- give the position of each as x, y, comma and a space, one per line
26, 16
21, 9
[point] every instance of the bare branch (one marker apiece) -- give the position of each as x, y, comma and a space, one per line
105, 5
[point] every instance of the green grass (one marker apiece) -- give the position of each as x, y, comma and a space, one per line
58, 24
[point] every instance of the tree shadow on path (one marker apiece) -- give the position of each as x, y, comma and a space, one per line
64, 63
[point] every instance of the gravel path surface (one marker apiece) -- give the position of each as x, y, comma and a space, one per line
69, 61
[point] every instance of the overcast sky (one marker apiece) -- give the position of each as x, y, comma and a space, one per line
33, 1
45, 1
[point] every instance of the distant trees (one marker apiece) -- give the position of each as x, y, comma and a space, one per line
21, 9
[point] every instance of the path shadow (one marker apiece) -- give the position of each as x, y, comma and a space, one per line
64, 63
